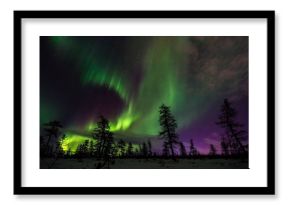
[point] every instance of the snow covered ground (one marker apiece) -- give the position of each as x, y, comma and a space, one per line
147, 164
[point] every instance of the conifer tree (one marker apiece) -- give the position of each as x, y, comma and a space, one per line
130, 149
212, 150
144, 150
192, 150
232, 128
104, 136
168, 129
52, 130
224, 147
165, 150
182, 150
149, 148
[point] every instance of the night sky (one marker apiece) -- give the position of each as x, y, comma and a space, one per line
127, 78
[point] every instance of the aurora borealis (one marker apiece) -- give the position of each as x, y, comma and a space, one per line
127, 78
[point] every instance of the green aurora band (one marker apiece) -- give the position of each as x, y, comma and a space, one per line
72, 141
160, 64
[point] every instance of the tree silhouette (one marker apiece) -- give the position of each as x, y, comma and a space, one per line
52, 130
92, 148
68, 153
130, 149
140, 153
212, 150
108, 150
233, 129
137, 151
121, 147
149, 148
144, 150
82, 150
104, 137
224, 147
59, 150
192, 150
182, 150
168, 126
165, 150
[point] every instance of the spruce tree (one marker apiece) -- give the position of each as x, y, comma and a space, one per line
212, 150
168, 129
104, 137
149, 148
165, 150
233, 129
121, 147
192, 150
182, 150
130, 149
224, 147
52, 130
144, 150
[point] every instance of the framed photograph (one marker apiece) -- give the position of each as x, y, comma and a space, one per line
144, 102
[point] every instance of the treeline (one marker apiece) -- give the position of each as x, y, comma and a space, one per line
104, 147
122, 149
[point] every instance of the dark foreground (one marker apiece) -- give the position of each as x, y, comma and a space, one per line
89, 163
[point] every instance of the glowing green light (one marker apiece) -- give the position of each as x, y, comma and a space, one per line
160, 83
125, 120
72, 141
162, 68
99, 75
90, 126
121, 124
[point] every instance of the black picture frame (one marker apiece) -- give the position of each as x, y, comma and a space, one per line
269, 189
